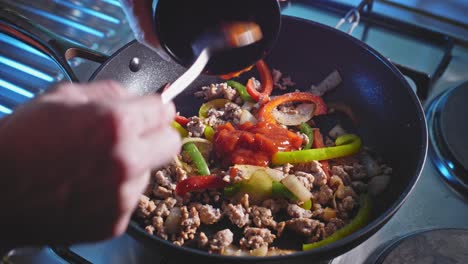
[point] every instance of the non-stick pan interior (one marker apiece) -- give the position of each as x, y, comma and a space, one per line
391, 118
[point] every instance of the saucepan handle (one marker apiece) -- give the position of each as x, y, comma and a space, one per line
56, 47
420, 79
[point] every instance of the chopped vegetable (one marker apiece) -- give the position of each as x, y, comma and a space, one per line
267, 84
359, 221
345, 145
328, 213
199, 183
318, 143
209, 133
280, 191
232, 189
241, 90
259, 186
248, 170
307, 204
302, 113
197, 158
309, 132
266, 112
296, 187
195, 140
171, 225
246, 116
182, 120
216, 103
182, 131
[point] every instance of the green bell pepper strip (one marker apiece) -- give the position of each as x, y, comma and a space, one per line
182, 131
197, 158
209, 133
278, 190
241, 89
346, 145
307, 204
361, 219
309, 132
232, 189
216, 103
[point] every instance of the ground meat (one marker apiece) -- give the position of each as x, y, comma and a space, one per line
340, 172
305, 138
287, 81
145, 207
162, 192
262, 217
163, 178
158, 224
195, 126
303, 226
164, 207
296, 211
189, 223
306, 179
221, 240
202, 240
217, 90
335, 182
344, 191
324, 195
319, 174
275, 205
357, 171
214, 117
181, 174
238, 175
150, 229
333, 225
276, 75
280, 228
244, 201
237, 214
232, 112
348, 204
359, 186
256, 237
287, 168
208, 214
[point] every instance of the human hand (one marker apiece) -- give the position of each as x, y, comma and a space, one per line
74, 162
140, 17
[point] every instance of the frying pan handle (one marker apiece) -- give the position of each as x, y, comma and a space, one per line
56, 47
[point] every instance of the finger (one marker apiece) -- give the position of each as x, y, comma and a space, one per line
104, 91
141, 115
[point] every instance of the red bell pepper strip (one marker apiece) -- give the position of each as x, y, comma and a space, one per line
267, 84
182, 120
318, 143
266, 112
199, 183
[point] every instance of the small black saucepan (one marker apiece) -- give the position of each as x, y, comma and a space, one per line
393, 122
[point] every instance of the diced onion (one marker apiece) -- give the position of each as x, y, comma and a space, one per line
171, 226
246, 116
305, 113
296, 187
248, 170
195, 140
259, 252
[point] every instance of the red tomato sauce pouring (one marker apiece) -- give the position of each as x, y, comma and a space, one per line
253, 144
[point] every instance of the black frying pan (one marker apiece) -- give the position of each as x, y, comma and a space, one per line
393, 122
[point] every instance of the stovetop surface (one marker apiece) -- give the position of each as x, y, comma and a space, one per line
431, 205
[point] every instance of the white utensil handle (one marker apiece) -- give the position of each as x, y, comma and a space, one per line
187, 78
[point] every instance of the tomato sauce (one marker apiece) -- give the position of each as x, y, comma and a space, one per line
253, 144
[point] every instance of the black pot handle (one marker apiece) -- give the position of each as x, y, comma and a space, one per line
56, 47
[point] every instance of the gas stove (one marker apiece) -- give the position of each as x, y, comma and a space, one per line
426, 39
